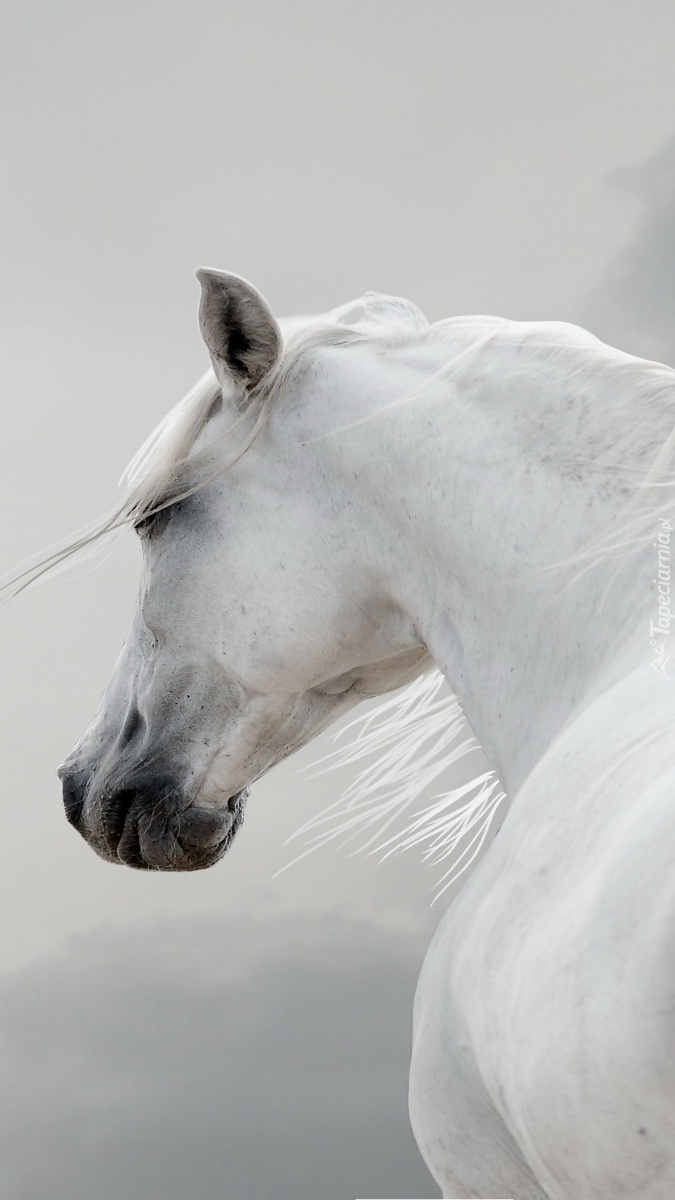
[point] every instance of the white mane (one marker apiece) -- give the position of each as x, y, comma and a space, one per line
408, 741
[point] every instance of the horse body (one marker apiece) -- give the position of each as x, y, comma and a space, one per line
552, 978
401, 506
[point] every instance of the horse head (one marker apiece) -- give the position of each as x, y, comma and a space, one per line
262, 613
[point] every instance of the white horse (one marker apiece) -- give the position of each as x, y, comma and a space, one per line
329, 514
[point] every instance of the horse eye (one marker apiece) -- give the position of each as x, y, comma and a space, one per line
153, 523
145, 525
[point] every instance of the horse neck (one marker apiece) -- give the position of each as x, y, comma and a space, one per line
469, 490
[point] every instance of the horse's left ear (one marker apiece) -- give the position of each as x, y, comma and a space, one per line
240, 333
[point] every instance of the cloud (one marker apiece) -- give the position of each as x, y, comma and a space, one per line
634, 306
216, 1061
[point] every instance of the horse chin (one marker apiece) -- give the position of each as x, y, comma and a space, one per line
191, 839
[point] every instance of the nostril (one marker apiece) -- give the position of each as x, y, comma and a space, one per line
74, 789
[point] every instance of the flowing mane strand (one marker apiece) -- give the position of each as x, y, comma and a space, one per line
408, 742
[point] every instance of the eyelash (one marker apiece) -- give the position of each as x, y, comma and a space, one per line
159, 516
144, 525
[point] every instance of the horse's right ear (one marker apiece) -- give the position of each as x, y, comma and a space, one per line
238, 328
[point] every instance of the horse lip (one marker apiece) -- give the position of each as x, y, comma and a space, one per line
114, 834
128, 849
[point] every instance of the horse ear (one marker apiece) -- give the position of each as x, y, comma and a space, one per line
238, 328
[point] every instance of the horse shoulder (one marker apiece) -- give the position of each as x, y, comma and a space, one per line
552, 972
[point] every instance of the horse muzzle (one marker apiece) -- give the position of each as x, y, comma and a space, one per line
149, 824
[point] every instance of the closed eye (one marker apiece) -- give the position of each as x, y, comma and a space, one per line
148, 525
143, 526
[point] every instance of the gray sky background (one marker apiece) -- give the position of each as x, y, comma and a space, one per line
222, 1034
